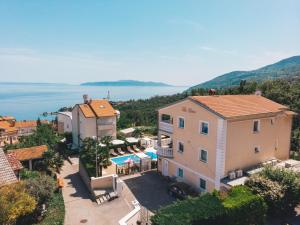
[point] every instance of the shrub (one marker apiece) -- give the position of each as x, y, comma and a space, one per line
244, 208
41, 187
290, 183
28, 174
271, 191
238, 207
14, 203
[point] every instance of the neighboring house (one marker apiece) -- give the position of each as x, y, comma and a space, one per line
8, 133
25, 127
28, 156
216, 136
64, 122
93, 118
15, 164
7, 175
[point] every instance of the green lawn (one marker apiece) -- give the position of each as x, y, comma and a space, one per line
55, 214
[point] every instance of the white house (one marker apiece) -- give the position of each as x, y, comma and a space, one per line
64, 122
93, 118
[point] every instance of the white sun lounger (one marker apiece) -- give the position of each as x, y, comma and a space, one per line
119, 150
129, 149
112, 152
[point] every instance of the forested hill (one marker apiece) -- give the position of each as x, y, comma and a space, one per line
286, 68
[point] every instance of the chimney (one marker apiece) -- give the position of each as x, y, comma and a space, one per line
85, 98
212, 91
258, 92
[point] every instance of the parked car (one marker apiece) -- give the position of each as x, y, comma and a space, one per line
181, 190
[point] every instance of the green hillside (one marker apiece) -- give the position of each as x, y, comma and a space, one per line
287, 68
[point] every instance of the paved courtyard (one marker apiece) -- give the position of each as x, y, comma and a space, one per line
79, 207
150, 189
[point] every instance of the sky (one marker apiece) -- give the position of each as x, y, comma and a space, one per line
180, 42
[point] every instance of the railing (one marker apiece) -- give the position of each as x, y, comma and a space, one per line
165, 151
168, 127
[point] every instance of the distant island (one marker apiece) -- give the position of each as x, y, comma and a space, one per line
126, 83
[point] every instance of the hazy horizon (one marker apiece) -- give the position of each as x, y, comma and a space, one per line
175, 42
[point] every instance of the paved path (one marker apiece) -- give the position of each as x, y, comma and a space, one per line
81, 210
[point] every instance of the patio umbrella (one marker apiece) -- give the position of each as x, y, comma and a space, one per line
128, 161
117, 142
132, 140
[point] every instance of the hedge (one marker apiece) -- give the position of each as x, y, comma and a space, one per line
238, 207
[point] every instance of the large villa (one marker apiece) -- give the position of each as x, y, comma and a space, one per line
213, 138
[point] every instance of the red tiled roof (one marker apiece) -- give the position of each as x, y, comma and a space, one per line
24, 154
13, 161
230, 106
7, 127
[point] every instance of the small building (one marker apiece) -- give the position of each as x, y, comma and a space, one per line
7, 175
28, 156
64, 122
93, 118
8, 133
27, 127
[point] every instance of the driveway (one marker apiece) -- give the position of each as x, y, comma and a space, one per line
150, 189
79, 207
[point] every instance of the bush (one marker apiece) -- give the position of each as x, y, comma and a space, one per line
289, 182
271, 191
238, 207
14, 203
244, 208
41, 187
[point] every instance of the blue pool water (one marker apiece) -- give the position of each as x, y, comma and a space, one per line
152, 155
121, 160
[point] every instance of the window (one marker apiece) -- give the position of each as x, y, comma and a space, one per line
181, 122
180, 147
204, 128
257, 149
166, 118
202, 184
256, 126
203, 156
180, 172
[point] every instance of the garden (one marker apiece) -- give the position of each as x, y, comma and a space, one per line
273, 193
36, 198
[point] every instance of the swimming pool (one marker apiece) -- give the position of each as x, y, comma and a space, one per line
121, 160
152, 153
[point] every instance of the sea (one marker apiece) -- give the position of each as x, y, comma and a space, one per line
29, 101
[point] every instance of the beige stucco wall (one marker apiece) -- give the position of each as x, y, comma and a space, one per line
241, 141
192, 139
239, 146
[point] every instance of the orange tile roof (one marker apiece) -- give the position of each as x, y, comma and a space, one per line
6, 118
7, 127
14, 162
24, 154
29, 123
230, 106
86, 110
97, 108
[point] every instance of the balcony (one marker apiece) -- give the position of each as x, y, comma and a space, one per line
164, 151
167, 127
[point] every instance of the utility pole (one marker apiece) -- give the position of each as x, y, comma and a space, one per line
96, 142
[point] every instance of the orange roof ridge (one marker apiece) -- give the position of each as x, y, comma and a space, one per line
230, 106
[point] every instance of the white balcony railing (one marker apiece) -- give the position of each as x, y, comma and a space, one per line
168, 127
165, 151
